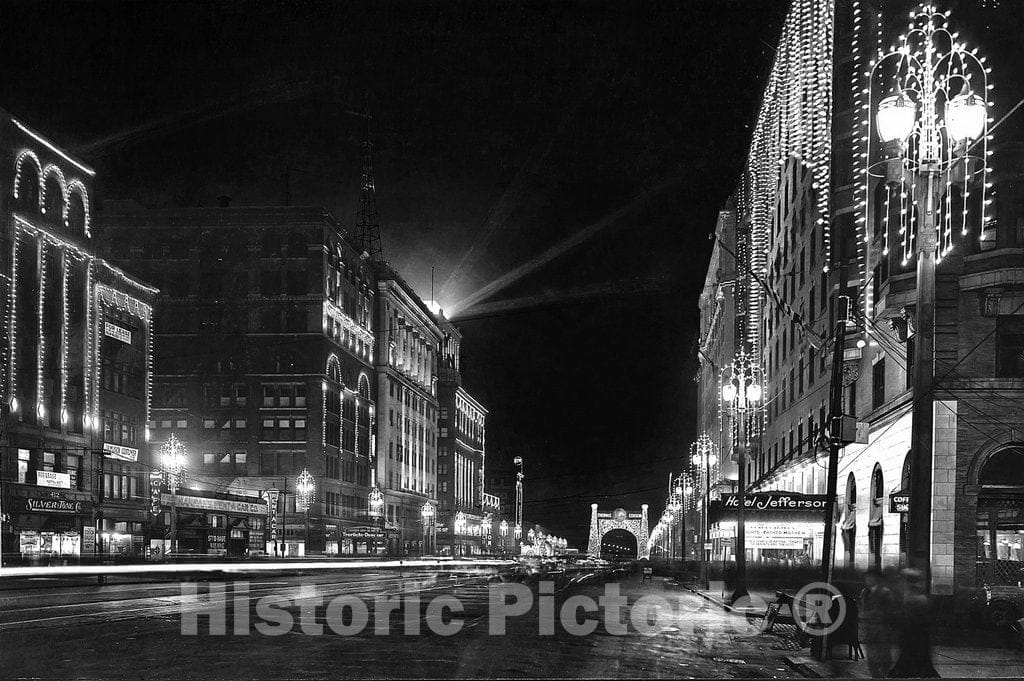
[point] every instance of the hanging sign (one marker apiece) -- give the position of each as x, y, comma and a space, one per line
120, 452
154, 492
117, 332
899, 502
51, 479
271, 496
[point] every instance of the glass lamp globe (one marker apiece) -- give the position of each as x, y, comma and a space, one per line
965, 117
728, 392
754, 393
712, 459
895, 118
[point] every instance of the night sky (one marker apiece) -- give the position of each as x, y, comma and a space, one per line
606, 134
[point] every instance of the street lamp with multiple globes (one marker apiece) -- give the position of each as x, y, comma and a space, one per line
174, 468
742, 386
375, 507
427, 513
458, 529
305, 493
929, 126
703, 457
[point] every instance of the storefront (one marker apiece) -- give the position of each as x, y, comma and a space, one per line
47, 526
359, 541
210, 523
782, 528
1000, 518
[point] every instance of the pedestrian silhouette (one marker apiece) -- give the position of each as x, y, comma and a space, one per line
877, 606
914, 618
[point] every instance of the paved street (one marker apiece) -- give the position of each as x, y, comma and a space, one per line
99, 631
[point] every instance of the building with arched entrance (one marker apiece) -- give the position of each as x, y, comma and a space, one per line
631, 528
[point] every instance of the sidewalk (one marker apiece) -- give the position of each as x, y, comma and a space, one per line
949, 660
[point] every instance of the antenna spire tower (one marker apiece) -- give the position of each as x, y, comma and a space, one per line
367, 221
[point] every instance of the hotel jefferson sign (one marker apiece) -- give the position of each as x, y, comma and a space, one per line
777, 501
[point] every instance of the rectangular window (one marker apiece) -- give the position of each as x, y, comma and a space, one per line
23, 465
1010, 346
878, 384
269, 395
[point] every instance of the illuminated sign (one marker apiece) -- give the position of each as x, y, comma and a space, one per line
271, 496
118, 333
777, 501
119, 452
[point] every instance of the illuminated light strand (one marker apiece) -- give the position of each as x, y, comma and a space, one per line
25, 153
61, 182
123, 301
12, 317
40, 353
64, 336
920, 60
49, 145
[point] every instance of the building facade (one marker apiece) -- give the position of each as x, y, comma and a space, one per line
265, 364
76, 368
465, 525
821, 225
409, 338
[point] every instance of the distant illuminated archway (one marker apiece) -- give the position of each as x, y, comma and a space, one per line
603, 522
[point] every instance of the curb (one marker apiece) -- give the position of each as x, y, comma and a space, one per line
711, 599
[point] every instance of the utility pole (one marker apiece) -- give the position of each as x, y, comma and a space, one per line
835, 442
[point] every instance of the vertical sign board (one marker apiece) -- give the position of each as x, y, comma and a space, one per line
88, 540
271, 496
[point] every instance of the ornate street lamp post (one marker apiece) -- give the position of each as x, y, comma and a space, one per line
174, 467
742, 386
929, 125
503, 531
305, 492
375, 506
458, 528
703, 457
427, 512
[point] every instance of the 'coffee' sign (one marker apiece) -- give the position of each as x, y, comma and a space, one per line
899, 502
777, 501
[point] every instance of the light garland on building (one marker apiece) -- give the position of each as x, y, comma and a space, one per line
334, 313
794, 120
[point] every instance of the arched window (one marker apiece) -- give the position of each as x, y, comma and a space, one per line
54, 199
904, 488
849, 526
364, 387
26, 190
76, 214
875, 520
1000, 519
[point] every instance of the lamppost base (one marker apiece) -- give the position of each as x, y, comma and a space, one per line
738, 594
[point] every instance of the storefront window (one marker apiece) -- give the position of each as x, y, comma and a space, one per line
1000, 519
